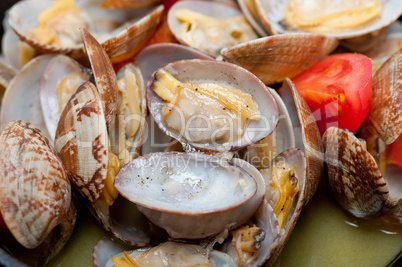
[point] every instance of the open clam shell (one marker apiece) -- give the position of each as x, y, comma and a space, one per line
34, 188
307, 135
59, 67
119, 42
353, 174
296, 160
21, 100
274, 58
199, 71
128, 3
81, 141
174, 191
385, 115
271, 14
207, 36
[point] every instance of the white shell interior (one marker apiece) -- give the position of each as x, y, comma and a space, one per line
185, 183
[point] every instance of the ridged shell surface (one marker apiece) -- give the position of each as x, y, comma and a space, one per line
82, 143
35, 193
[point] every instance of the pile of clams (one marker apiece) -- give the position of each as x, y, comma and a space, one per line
184, 155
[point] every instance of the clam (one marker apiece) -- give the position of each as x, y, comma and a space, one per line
384, 117
35, 192
307, 135
356, 180
174, 191
209, 26
122, 32
101, 142
272, 15
274, 58
211, 125
7, 73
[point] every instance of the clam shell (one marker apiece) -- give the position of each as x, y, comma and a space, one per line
174, 191
208, 8
271, 13
128, 3
248, 8
225, 73
121, 43
307, 135
7, 73
265, 218
353, 175
10, 49
58, 67
296, 159
105, 77
34, 188
385, 115
274, 58
81, 141
21, 99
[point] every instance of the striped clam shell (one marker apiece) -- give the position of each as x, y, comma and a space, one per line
353, 174
81, 141
35, 194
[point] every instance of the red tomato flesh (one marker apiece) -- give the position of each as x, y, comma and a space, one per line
338, 90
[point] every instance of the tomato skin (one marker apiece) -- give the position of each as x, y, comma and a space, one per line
338, 90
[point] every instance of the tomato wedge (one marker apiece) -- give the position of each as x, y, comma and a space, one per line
338, 90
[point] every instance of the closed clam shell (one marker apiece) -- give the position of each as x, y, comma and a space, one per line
307, 135
353, 174
199, 71
385, 115
271, 14
174, 191
35, 193
81, 141
274, 58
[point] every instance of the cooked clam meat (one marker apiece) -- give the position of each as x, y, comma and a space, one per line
128, 114
330, 16
245, 244
66, 87
205, 111
210, 34
60, 24
282, 190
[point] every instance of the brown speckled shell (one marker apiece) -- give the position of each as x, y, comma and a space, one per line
35, 193
385, 115
81, 141
133, 38
312, 144
105, 77
274, 58
353, 175
128, 3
